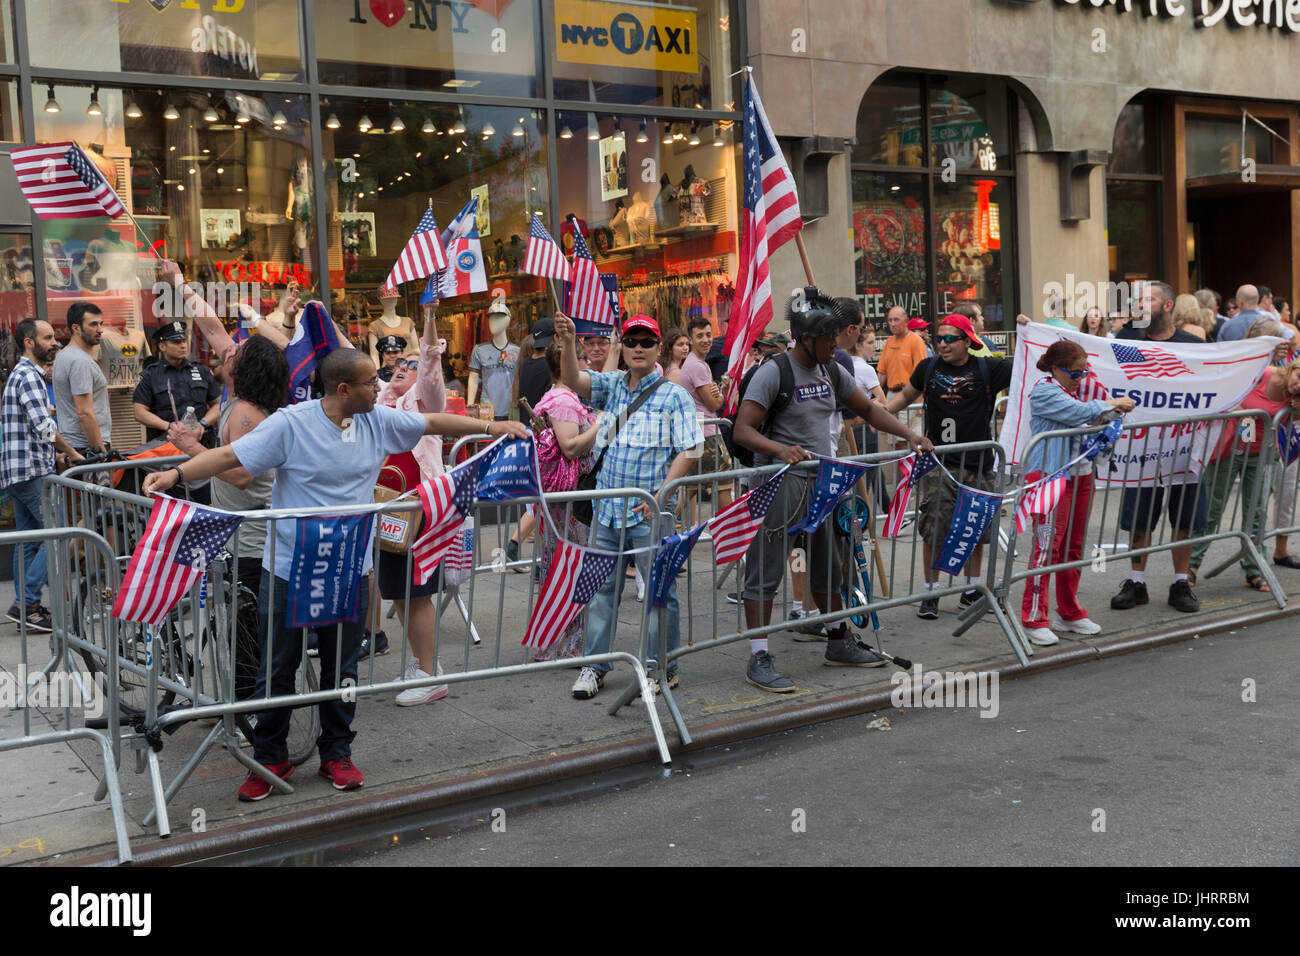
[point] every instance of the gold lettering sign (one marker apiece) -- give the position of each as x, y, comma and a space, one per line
616, 34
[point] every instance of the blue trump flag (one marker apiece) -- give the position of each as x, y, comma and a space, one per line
313, 339
1288, 443
973, 513
1093, 444
506, 471
672, 554
325, 575
834, 480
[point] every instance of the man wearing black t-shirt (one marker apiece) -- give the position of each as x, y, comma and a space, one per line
1140, 507
959, 391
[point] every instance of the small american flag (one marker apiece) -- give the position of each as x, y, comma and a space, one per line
770, 219
734, 527
1040, 500
1148, 362
447, 501
574, 577
61, 182
585, 296
461, 556
910, 471
180, 540
423, 254
544, 256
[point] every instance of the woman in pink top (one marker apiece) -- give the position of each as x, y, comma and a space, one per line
563, 458
417, 386
675, 349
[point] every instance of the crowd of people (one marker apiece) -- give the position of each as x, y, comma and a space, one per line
635, 409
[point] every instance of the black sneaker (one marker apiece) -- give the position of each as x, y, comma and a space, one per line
380, 645
1181, 598
1134, 593
968, 598
38, 619
844, 649
733, 597
929, 609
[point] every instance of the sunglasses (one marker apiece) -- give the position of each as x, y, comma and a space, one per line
410, 363
1073, 374
949, 339
641, 343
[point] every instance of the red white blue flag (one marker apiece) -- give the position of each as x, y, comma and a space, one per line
585, 296
910, 471
1040, 500
180, 540
61, 182
574, 577
423, 254
1147, 362
734, 528
544, 256
464, 273
448, 501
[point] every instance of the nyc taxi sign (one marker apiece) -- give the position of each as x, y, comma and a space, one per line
626, 35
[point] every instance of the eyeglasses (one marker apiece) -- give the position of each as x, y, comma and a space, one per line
370, 383
641, 343
948, 339
1073, 374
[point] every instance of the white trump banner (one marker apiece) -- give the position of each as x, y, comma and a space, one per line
1165, 379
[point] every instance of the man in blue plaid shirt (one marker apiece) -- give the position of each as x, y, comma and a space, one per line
30, 438
654, 446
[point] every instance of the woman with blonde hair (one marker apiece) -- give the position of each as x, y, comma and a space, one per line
1187, 315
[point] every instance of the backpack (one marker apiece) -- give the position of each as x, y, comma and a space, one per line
784, 396
983, 366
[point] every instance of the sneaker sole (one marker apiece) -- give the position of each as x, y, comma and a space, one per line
354, 785
436, 695
39, 628
803, 637
770, 690
880, 663
928, 615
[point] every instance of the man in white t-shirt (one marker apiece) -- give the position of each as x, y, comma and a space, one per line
697, 378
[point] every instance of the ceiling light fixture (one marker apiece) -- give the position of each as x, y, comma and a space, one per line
94, 109
396, 126
51, 104
210, 114
489, 131
428, 127
641, 135
132, 110
566, 133
717, 137
332, 122
171, 112
364, 123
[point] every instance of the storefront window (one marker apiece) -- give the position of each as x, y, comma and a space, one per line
646, 54
1214, 144
11, 130
478, 48
230, 39
7, 54
660, 216
889, 244
1133, 229
968, 124
969, 264
384, 183
1137, 136
889, 124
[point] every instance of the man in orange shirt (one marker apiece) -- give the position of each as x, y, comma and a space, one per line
902, 352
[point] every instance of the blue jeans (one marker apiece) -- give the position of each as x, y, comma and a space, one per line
271, 735
600, 617
27, 517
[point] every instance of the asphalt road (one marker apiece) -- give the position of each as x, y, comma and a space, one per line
1153, 759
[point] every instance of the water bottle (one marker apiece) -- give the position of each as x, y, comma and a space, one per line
190, 420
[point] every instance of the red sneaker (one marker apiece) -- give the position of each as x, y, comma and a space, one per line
343, 773
255, 788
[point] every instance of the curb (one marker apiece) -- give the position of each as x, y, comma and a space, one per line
426, 797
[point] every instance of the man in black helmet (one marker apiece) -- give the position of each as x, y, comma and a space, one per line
796, 430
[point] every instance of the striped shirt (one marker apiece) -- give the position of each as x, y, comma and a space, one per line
646, 444
28, 426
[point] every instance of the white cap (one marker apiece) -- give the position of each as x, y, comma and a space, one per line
498, 307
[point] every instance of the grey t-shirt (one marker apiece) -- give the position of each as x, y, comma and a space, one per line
497, 372
76, 373
817, 393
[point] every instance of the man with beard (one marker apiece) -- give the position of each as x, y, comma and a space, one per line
30, 438
80, 388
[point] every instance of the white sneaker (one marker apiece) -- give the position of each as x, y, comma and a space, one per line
654, 688
412, 671
588, 684
1083, 625
640, 588
421, 695
1041, 636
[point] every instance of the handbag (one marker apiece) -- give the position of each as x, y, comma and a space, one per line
583, 508
397, 529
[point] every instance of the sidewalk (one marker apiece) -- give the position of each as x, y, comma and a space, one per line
47, 813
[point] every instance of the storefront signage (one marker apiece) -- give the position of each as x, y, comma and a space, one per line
210, 36
1279, 14
273, 272
616, 34
689, 266
424, 13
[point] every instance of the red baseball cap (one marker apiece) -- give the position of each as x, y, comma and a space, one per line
641, 322
917, 324
963, 325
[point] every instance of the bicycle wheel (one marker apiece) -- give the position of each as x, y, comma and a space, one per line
134, 646
851, 597
304, 723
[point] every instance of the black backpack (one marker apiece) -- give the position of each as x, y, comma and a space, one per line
784, 396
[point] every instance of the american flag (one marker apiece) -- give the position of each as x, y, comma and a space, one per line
574, 577
585, 296
910, 471
62, 183
447, 501
1041, 499
423, 254
734, 527
1147, 362
461, 555
771, 219
180, 540
544, 257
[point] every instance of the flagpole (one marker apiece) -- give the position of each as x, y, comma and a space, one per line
555, 298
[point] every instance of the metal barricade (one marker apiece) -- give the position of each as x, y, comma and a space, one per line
1285, 479
61, 677
1097, 543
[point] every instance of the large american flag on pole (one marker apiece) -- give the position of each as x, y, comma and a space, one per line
771, 219
1147, 362
544, 256
180, 540
574, 577
585, 295
61, 182
423, 254
448, 500
734, 528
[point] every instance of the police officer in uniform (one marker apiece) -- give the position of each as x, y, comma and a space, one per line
175, 383
390, 349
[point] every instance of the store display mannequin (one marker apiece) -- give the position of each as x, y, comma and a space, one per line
690, 198
298, 209
619, 226
640, 220
665, 208
492, 364
390, 323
